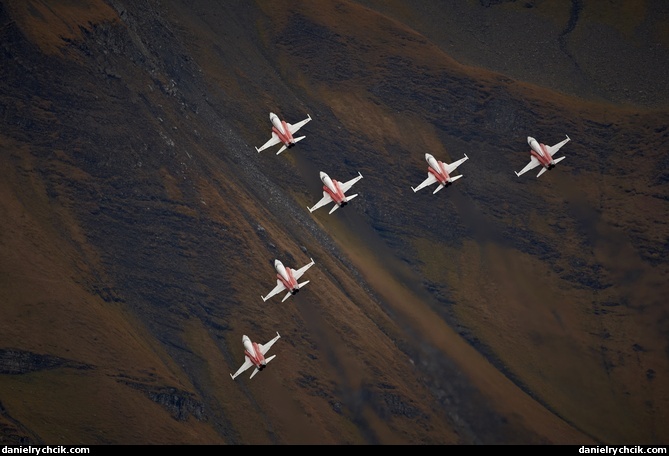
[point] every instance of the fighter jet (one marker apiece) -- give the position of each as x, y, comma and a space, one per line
334, 191
282, 132
541, 154
440, 172
255, 355
286, 279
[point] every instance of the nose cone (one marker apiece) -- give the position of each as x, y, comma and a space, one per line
427, 157
322, 175
245, 338
276, 263
529, 139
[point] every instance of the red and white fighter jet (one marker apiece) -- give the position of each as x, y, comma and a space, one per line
255, 355
440, 172
282, 132
286, 279
541, 154
334, 191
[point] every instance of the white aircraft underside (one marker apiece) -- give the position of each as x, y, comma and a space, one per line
542, 155
335, 192
439, 172
257, 355
287, 280
282, 132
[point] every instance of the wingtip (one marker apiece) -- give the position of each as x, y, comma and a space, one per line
414, 190
517, 173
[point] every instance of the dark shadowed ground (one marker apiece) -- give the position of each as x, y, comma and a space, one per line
138, 224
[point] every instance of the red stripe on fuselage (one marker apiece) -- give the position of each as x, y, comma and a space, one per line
288, 137
289, 283
337, 196
256, 358
442, 177
544, 159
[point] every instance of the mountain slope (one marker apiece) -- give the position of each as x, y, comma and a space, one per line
140, 226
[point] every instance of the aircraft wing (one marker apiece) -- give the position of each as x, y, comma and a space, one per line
556, 147
300, 272
247, 364
346, 186
325, 200
429, 181
450, 168
274, 140
264, 348
277, 289
531, 165
297, 126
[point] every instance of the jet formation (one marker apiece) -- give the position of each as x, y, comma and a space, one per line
438, 172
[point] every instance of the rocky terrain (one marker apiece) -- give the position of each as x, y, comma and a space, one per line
139, 225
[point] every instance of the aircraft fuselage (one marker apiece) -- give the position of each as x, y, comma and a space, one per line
253, 352
333, 188
540, 152
280, 128
438, 169
285, 275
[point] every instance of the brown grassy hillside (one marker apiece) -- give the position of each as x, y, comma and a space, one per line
139, 226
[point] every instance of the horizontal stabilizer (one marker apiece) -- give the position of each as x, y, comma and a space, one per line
559, 159
454, 178
439, 187
303, 284
288, 295
334, 208
299, 139
267, 360
543, 170
255, 371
